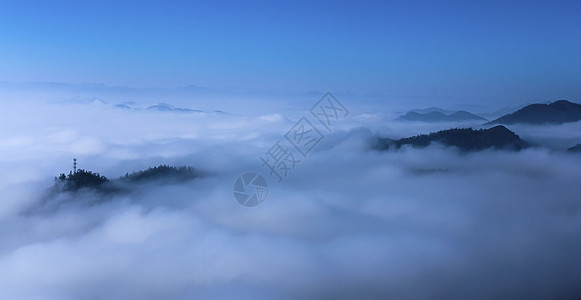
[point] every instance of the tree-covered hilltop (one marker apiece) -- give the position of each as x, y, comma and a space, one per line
161, 172
92, 180
80, 179
465, 139
71, 189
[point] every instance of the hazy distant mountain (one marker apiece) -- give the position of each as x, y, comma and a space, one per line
500, 112
123, 106
466, 139
167, 107
162, 107
439, 116
558, 112
576, 148
126, 105
432, 109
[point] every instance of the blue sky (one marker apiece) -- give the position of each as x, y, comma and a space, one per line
487, 51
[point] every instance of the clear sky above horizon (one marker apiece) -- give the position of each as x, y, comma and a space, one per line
486, 51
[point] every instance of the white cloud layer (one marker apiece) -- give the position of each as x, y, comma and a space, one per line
349, 222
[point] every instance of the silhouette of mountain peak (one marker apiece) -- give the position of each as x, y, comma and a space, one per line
465, 139
558, 112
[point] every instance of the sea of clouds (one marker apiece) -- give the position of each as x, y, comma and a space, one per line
349, 222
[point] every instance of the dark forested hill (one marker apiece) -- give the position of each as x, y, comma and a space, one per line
161, 172
465, 139
87, 179
558, 112
80, 179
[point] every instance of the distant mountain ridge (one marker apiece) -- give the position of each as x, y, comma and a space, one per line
440, 116
558, 112
168, 107
163, 107
465, 139
432, 109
